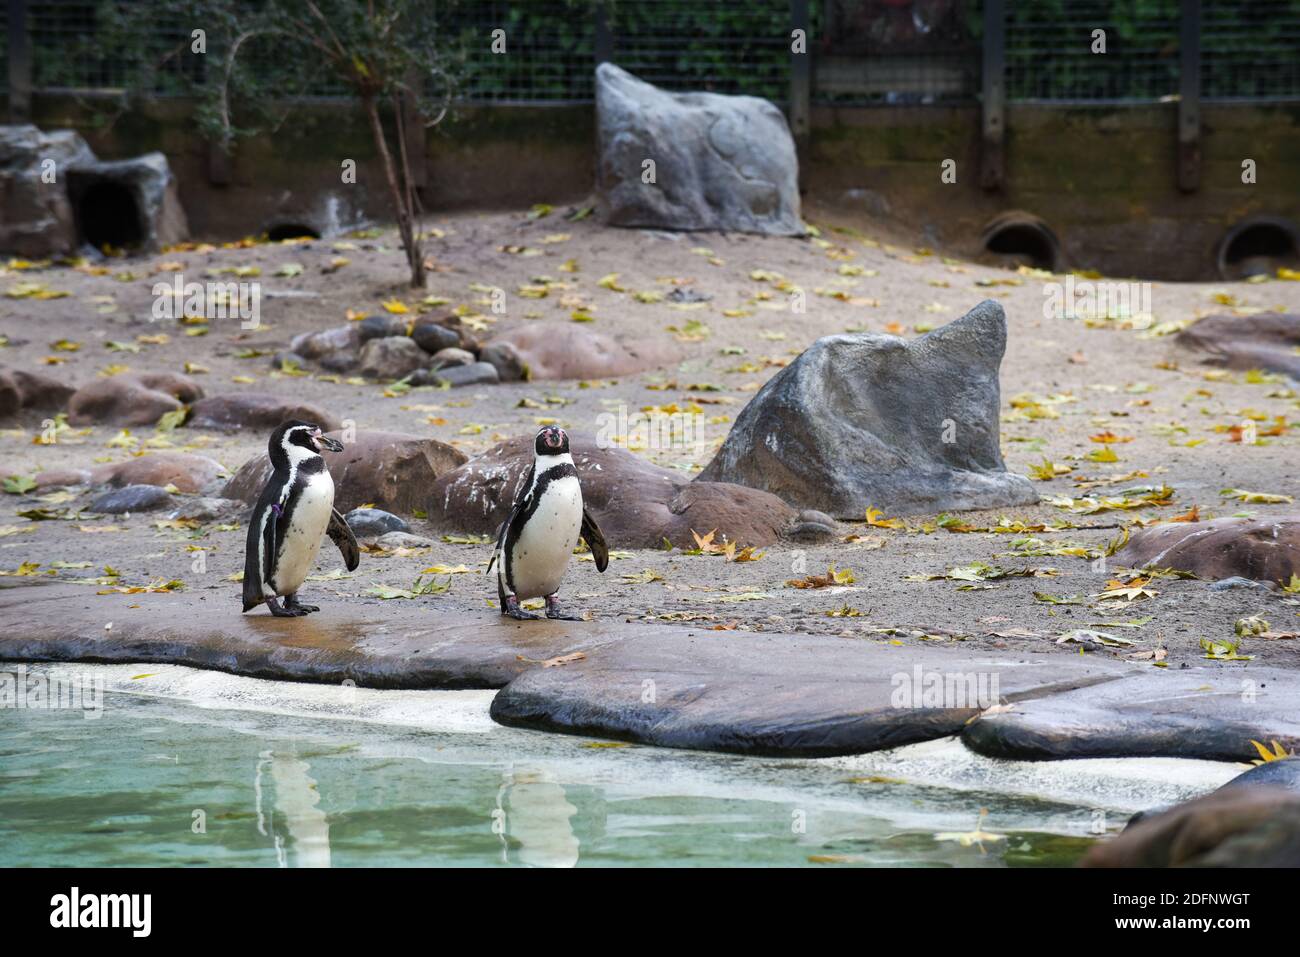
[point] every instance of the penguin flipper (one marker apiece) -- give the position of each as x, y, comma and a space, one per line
340, 534
595, 541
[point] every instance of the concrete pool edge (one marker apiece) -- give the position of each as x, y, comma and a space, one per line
767, 694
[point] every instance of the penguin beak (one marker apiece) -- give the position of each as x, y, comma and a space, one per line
553, 438
326, 444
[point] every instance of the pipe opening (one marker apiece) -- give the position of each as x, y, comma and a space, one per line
1021, 239
1259, 247
108, 214
282, 231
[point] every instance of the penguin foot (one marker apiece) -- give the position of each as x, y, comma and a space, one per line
291, 602
511, 608
553, 610
279, 612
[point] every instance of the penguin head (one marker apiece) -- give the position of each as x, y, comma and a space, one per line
294, 438
552, 440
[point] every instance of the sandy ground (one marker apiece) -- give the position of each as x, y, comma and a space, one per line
1063, 382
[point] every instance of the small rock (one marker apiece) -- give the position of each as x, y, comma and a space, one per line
686, 294
433, 337
505, 358
391, 357
1236, 581
315, 345
205, 509
446, 358
403, 540
342, 361
476, 373
373, 522
132, 498
380, 327
290, 360
812, 526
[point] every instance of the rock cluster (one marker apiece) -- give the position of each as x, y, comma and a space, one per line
442, 350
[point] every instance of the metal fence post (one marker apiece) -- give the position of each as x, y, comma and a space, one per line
20, 63
800, 76
993, 129
604, 38
1189, 97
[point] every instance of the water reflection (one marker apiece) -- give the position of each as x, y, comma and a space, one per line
286, 799
534, 815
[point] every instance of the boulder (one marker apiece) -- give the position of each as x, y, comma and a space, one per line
188, 473
391, 357
1258, 549
721, 162
864, 419
129, 202
36, 217
260, 411
20, 389
131, 400
1231, 827
390, 470
373, 522
132, 498
565, 350
1268, 340
636, 504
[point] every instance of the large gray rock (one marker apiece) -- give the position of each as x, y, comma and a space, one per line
36, 217
874, 420
721, 162
89, 200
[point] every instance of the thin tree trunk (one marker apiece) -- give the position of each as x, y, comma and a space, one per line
410, 242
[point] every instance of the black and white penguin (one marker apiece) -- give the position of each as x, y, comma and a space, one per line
296, 510
536, 540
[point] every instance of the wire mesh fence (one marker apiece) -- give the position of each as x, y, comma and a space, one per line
863, 51
1250, 49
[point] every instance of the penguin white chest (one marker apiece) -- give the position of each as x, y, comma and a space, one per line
302, 539
540, 554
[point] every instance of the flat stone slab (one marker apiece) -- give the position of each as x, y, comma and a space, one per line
1212, 713
392, 644
778, 695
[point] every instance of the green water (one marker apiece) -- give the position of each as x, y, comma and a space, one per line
160, 782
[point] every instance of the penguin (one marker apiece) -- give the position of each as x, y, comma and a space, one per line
295, 510
534, 543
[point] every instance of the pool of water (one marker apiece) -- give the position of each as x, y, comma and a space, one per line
197, 768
